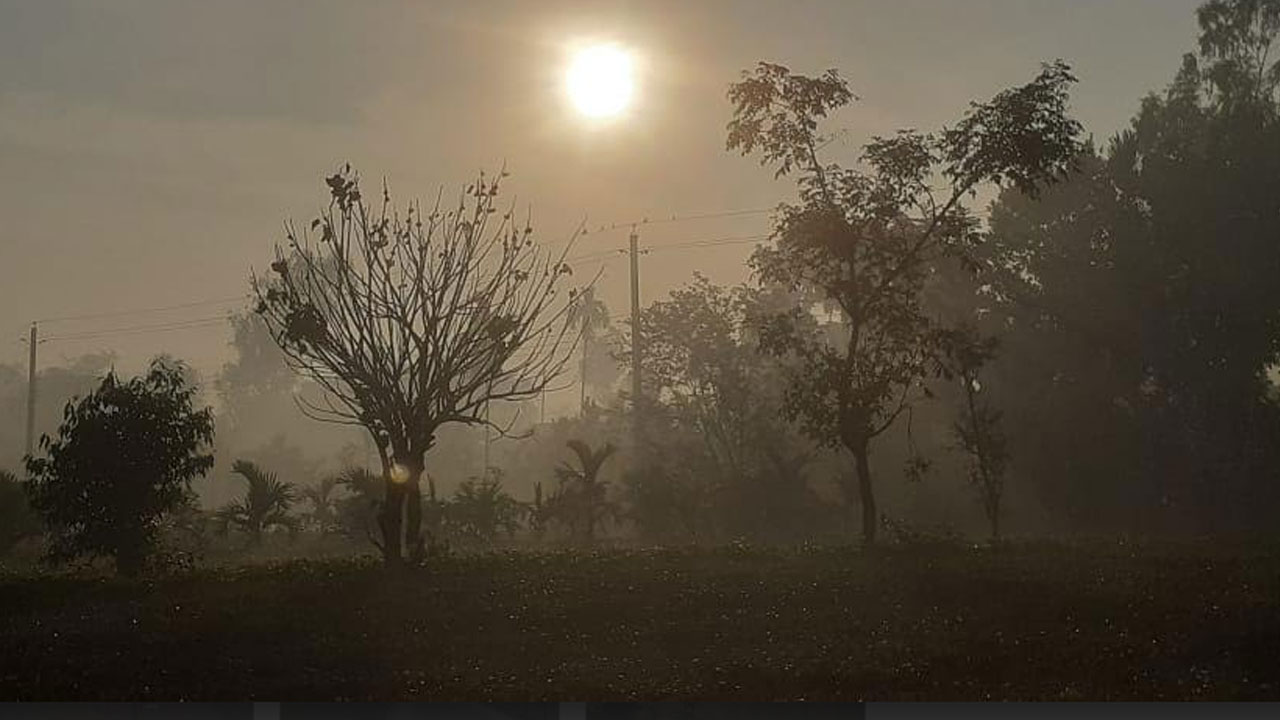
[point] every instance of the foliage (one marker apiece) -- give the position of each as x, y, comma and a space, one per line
357, 510
323, 514
866, 239
17, 520
264, 505
580, 501
1145, 306
125, 455
724, 461
1238, 41
480, 509
413, 320
184, 535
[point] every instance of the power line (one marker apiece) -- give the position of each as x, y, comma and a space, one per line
714, 242
680, 218
144, 311
703, 242
135, 329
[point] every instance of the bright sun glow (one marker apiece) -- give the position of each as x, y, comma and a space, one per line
601, 80
399, 474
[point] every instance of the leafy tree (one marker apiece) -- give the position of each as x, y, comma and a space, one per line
124, 456
718, 435
264, 505
581, 501
480, 509
413, 320
1145, 302
17, 521
866, 239
1238, 43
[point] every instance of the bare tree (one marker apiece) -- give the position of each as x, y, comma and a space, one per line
410, 321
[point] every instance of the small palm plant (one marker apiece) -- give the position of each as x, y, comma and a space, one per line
480, 509
581, 501
324, 504
357, 511
264, 505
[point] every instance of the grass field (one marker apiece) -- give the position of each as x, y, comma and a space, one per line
1032, 621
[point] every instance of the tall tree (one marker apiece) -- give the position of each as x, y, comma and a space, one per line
866, 238
1144, 299
413, 320
124, 456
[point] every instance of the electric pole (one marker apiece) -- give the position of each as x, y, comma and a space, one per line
635, 342
31, 391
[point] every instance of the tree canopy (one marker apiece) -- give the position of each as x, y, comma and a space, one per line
866, 238
125, 454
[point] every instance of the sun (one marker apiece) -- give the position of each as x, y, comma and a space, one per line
601, 80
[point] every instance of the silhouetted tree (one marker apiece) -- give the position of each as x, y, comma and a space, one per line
1144, 299
264, 505
411, 321
866, 239
124, 456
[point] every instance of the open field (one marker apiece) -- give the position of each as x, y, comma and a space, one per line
1033, 621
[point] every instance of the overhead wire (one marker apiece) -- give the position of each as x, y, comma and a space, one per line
679, 218
211, 321
143, 311
135, 329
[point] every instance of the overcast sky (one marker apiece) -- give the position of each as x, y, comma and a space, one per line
150, 151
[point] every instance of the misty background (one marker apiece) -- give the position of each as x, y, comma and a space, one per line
152, 151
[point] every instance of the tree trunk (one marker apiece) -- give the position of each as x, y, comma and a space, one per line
390, 520
413, 515
865, 494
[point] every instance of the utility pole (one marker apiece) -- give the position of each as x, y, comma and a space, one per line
31, 390
635, 343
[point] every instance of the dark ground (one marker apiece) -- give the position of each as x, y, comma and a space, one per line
1038, 621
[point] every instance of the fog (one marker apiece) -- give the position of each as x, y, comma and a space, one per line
640, 350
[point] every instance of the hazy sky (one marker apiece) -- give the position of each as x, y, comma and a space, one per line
149, 151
